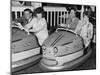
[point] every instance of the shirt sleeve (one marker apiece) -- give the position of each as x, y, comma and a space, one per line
78, 27
41, 25
30, 24
74, 24
20, 20
90, 31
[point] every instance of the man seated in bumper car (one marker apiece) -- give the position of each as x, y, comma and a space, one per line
33, 23
25, 47
71, 21
25, 19
18, 30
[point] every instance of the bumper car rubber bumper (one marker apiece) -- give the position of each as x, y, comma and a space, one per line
26, 63
68, 65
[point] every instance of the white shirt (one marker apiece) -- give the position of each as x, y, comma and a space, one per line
85, 29
39, 27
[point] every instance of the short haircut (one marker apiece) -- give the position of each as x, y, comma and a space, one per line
29, 10
73, 8
38, 11
87, 13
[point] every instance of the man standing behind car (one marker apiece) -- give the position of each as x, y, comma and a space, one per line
26, 18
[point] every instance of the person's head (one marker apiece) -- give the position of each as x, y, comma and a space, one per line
39, 12
86, 16
72, 12
27, 13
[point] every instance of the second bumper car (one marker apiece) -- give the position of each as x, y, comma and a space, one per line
64, 49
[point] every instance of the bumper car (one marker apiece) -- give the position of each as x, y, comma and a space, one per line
25, 50
63, 50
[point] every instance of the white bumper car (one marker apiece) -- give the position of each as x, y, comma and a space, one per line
64, 49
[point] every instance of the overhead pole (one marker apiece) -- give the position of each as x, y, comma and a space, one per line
82, 10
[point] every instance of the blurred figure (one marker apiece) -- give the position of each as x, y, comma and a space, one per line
38, 25
85, 29
73, 20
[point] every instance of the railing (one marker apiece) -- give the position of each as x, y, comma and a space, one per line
55, 16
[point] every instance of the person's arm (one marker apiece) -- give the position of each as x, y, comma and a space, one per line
38, 28
78, 27
29, 25
74, 24
19, 20
18, 23
90, 31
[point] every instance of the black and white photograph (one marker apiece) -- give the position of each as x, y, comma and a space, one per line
52, 37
